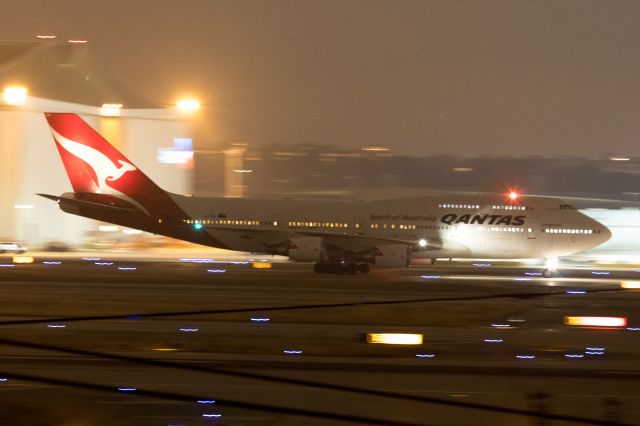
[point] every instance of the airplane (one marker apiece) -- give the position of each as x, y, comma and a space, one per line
339, 236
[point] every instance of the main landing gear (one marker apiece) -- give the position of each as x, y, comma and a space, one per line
341, 268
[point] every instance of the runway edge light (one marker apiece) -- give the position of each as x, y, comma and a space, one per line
395, 338
596, 321
630, 284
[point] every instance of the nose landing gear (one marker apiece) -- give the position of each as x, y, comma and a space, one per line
551, 267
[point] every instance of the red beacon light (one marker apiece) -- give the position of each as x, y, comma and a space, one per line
513, 195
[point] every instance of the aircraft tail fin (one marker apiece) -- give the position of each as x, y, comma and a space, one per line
93, 165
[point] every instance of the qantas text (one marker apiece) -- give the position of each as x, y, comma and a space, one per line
483, 219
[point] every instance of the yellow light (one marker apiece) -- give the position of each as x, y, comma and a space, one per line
395, 338
188, 105
262, 265
596, 321
77, 41
110, 110
630, 284
45, 36
15, 95
375, 148
22, 259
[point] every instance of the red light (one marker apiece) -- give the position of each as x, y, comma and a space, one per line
513, 196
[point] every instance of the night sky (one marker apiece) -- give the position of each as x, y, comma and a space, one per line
548, 78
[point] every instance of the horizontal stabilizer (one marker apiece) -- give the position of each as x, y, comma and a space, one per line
82, 203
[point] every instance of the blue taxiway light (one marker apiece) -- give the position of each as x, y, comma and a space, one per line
134, 316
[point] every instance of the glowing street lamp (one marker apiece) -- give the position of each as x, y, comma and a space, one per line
111, 110
188, 105
14, 95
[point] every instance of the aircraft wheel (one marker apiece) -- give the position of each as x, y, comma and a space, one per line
319, 268
363, 268
351, 269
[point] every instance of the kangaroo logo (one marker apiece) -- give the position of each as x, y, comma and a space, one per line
102, 165
104, 168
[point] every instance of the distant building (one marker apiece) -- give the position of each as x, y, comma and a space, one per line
158, 141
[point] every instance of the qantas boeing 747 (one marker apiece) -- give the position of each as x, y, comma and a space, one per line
339, 236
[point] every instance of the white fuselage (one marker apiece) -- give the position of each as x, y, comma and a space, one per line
435, 226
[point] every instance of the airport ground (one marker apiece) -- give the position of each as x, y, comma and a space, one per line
284, 346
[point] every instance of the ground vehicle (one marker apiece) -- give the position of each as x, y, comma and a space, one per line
7, 247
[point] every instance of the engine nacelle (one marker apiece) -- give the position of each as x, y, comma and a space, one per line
305, 249
393, 256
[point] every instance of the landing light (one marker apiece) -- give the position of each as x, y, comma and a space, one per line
552, 264
422, 242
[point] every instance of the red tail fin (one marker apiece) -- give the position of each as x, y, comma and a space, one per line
93, 164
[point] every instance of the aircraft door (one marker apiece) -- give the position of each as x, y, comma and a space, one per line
531, 231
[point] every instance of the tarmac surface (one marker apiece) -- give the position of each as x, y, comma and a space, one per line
128, 340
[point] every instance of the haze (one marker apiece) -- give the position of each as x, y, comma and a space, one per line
464, 77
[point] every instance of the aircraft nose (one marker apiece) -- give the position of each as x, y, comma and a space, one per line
604, 235
601, 233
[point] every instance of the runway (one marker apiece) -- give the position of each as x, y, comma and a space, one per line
111, 340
